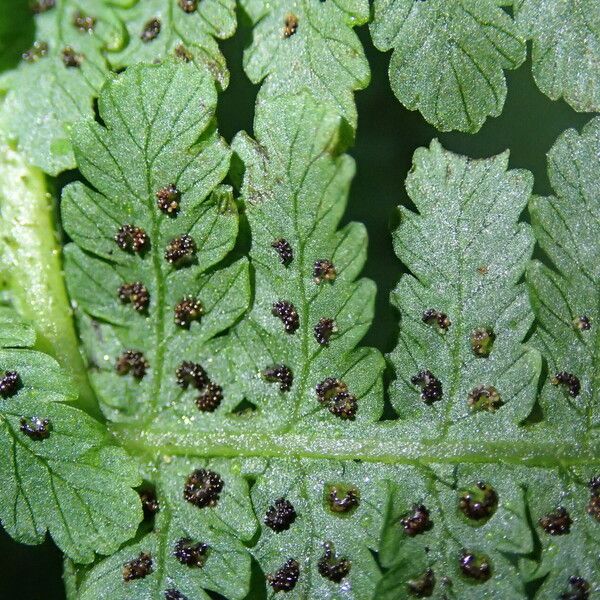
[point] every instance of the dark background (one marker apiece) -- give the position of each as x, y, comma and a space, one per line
387, 137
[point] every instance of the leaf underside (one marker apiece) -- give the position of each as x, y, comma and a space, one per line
449, 57
308, 46
75, 484
151, 140
54, 90
353, 484
272, 464
566, 49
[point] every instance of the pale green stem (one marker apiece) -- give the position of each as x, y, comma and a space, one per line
31, 261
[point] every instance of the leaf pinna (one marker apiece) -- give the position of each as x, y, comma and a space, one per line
61, 471
467, 218
294, 192
157, 150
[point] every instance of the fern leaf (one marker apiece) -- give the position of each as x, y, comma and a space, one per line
187, 29
190, 549
59, 470
55, 84
449, 57
459, 362
308, 46
295, 188
149, 235
566, 49
565, 296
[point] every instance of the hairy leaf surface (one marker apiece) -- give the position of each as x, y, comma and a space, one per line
463, 311
295, 189
566, 296
449, 57
224, 528
566, 49
158, 132
307, 45
161, 28
293, 482
74, 482
48, 92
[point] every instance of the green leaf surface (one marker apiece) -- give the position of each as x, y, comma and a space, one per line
226, 569
158, 131
566, 49
44, 96
566, 295
192, 36
465, 253
15, 332
373, 504
451, 533
295, 189
303, 45
449, 57
74, 482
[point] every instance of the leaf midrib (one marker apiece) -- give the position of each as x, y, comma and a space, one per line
385, 445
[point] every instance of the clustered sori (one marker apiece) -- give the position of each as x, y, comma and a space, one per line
203, 488
85, 23
431, 386
36, 428
422, 586
557, 522
480, 502
168, 198
323, 270
286, 577
288, 314
290, 25
435, 317
324, 330
280, 374
150, 504
280, 515
475, 566
191, 554
10, 383
569, 381
188, 309
138, 567
37, 51
135, 294
334, 394
484, 397
210, 399
151, 30
71, 58
132, 361
179, 252
482, 340
131, 238
343, 499
193, 374
593, 507
283, 248
331, 566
